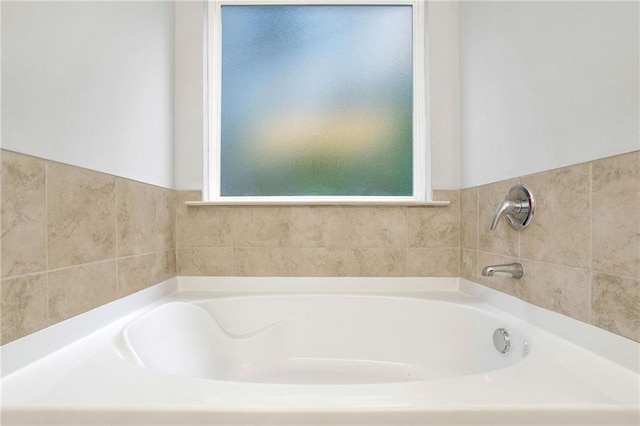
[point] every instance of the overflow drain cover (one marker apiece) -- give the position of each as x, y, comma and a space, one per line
501, 340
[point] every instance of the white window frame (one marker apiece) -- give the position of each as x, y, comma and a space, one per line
422, 193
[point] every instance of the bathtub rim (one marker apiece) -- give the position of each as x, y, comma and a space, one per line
402, 416
172, 413
29, 349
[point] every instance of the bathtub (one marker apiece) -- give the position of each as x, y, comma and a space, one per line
274, 351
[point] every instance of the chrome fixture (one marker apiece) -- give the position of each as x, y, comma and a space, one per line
514, 270
501, 340
519, 207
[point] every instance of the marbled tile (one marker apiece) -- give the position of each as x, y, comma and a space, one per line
504, 239
562, 289
505, 284
73, 291
616, 304
81, 216
378, 226
616, 215
380, 262
469, 265
263, 262
469, 218
23, 214
146, 218
24, 306
322, 262
433, 262
202, 226
202, 261
261, 226
560, 231
435, 226
139, 272
320, 226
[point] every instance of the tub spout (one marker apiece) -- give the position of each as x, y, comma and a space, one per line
514, 270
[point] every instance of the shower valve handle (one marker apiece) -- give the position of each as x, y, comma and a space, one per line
518, 207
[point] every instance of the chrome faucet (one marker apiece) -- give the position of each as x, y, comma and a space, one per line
509, 208
518, 207
515, 270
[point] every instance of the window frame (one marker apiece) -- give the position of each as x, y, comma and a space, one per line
212, 74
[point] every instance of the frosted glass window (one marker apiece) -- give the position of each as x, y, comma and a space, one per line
316, 100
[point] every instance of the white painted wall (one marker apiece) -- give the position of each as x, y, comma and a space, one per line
444, 96
91, 84
188, 94
546, 85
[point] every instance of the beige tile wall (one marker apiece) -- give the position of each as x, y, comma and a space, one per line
581, 254
318, 240
74, 239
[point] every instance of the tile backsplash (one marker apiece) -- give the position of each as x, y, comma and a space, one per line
74, 239
581, 254
318, 240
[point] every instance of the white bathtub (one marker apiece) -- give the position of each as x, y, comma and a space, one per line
319, 339
320, 351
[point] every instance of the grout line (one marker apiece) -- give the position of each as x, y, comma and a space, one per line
477, 201
64, 268
406, 234
175, 218
46, 239
591, 215
536, 260
117, 238
46, 216
176, 197
591, 282
147, 253
584, 268
28, 274
631, 277
591, 272
459, 232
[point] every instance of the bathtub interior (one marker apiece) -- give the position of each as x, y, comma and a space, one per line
319, 339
